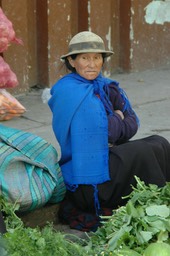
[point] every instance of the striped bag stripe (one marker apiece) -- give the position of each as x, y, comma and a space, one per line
29, 169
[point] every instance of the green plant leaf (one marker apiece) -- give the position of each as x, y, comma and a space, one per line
158, 210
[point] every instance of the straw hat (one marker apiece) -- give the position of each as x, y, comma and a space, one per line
85, 42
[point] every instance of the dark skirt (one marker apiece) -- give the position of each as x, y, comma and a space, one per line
147, 158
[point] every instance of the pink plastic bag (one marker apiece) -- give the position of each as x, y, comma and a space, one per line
7, 33
8, 78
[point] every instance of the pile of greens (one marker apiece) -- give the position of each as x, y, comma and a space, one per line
145, 219
26, 241
139, 227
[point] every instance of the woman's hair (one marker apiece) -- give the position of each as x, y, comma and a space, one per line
67, 63
73, 56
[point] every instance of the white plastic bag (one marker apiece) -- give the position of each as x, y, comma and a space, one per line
46, 95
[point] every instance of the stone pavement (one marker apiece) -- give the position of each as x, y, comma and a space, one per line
148, 91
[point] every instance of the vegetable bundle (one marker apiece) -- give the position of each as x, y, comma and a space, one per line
140, 228
145, 219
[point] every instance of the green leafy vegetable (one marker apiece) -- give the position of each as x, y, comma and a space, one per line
158, 210
143, 220
22, 241
157, 249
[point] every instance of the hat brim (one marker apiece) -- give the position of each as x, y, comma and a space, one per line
107, 53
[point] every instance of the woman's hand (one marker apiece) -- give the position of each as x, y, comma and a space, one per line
120, 113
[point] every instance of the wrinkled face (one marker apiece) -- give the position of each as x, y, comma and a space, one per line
87, 65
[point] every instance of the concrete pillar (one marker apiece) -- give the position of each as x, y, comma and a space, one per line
62, 25
103, 17
124, 32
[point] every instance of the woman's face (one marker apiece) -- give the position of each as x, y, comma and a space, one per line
87, 65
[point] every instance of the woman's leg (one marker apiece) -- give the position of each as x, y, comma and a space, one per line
147, 158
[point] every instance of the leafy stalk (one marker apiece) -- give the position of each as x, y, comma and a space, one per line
12, 221
143, 220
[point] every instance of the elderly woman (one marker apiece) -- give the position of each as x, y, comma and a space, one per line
93, 122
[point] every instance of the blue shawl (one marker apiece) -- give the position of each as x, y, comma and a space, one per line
80, 125
81, 128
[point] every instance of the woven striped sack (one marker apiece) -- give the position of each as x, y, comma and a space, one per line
29, 170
